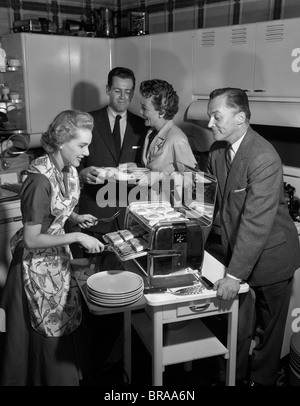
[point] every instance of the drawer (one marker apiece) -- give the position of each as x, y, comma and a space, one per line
198, 306
192, 307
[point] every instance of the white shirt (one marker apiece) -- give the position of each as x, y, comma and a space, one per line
235, 146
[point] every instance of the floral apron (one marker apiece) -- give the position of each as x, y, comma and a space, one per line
51, 289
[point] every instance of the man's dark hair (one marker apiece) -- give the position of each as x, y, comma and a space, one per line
235, 98
121, 72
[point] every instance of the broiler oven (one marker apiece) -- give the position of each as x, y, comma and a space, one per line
166, 242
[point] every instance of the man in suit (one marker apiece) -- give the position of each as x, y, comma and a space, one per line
259, 239
102, 151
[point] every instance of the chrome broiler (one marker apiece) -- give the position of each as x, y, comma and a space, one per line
165, 241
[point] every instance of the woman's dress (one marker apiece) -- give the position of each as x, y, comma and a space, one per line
40, 298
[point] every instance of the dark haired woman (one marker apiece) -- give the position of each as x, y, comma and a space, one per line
166, 150
40, 298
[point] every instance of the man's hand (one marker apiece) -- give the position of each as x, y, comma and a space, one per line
227, 288
91, 175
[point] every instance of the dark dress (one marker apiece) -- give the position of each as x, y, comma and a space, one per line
28, 357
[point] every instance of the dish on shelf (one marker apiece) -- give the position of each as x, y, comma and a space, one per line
12, 68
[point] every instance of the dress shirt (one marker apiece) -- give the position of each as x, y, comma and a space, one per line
235, 146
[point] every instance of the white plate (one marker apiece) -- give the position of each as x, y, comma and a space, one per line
125, 176
114, 282
114, 296
126, 303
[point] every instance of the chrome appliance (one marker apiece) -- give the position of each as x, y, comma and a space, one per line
166, 242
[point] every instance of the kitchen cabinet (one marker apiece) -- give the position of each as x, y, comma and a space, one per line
170, 59
89, 67
134, 53
223, 57
44, 84
262, 58
10, 223
58, 73
276, 53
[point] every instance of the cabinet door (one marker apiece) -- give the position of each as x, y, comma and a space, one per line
277, 61
134, 53
224, 57
89, 67
171, 60
46, 79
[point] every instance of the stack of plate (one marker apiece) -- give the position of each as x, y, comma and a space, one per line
295, 360
114, 288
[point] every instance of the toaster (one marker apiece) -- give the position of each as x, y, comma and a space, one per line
166, 243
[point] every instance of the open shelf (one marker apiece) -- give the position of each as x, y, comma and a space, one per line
182, 342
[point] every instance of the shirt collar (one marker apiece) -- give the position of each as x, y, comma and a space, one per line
114, 114
235, 146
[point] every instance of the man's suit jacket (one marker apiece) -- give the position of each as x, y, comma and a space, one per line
259, 238
102, 154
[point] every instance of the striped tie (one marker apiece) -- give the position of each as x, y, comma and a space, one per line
229, 155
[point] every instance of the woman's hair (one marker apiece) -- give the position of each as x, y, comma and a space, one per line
235, 99
64, 127
163, 96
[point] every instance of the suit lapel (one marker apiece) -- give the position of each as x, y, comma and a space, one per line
241, 154
221, 170
106, 133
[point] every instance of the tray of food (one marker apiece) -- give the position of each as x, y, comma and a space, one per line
128, 172
128, 244
151, 213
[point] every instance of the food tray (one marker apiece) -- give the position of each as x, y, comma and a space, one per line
151, 213
127, 173
124, 247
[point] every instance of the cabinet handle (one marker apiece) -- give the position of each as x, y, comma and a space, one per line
247, 90
11, 220
259, 90
199, 308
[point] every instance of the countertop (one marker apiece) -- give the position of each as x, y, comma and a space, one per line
211, 269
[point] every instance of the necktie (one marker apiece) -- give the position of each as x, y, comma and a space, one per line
117, 134
229, 155
150, 139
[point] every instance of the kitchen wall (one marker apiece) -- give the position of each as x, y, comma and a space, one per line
163, 16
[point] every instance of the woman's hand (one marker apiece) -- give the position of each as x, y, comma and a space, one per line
91, 244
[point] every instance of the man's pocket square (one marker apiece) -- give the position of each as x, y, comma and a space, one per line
239, 190
135, 147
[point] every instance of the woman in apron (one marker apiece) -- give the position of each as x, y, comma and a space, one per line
41, 299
